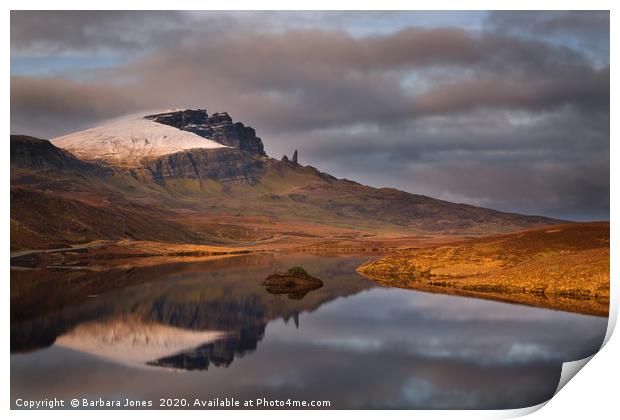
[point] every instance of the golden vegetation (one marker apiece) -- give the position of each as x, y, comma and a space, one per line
105, 254
562, 267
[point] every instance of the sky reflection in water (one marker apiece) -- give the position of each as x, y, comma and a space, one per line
350, 342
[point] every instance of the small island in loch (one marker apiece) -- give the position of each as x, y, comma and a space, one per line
295, 282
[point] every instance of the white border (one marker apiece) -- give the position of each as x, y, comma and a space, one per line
591, 396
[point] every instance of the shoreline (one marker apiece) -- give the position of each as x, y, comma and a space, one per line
121, 253
564, 268
582, 306
564, 272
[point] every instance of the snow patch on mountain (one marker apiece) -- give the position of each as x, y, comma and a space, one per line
126, 142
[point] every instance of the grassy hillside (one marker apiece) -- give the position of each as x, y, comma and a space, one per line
211, 197
564, 267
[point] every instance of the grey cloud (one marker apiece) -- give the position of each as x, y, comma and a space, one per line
585, 29
342, 79
584, 23
70, 31
555, 163
44, 107
91, 31
590, 91
318, 78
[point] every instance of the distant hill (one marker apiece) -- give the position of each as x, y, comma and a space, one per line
160, 178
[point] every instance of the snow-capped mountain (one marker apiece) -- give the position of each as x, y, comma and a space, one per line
126, 142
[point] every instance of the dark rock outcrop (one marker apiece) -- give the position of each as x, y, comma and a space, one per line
292, 162
224, 165
41, 155
296, 283
219, 127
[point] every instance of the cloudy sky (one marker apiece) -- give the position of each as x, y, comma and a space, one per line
508, 110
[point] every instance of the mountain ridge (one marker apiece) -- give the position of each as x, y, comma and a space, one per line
221, 195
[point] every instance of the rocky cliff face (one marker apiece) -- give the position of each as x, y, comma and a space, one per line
224, 165
218, 126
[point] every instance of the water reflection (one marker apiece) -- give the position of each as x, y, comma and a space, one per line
161, 304
133, 342
219, 353
349, 342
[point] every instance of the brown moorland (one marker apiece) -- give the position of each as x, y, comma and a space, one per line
225, 198
563, 267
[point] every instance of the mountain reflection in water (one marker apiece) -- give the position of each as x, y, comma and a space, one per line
218, 306
133, 342
121, 332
